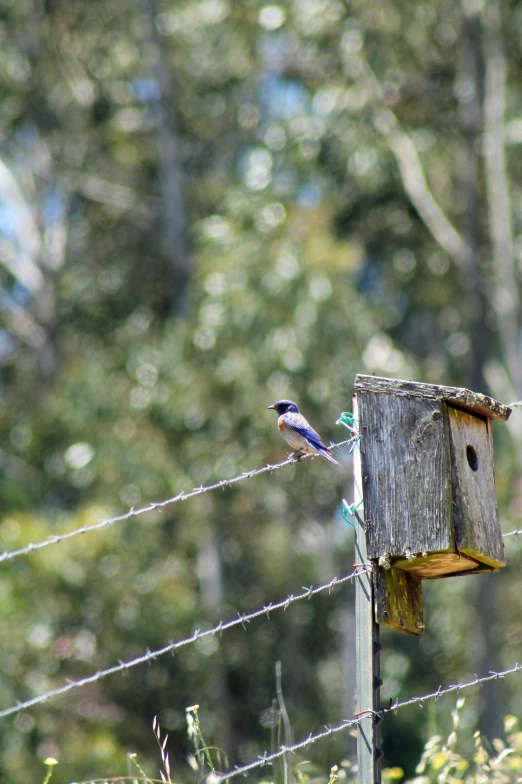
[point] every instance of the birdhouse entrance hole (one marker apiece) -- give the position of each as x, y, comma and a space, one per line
472, 458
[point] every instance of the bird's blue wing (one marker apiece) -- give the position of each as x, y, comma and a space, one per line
298, 423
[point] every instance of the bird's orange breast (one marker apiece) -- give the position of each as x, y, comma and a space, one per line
296, 440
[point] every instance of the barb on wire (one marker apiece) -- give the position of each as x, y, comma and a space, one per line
9, 555
242, 619
266, 759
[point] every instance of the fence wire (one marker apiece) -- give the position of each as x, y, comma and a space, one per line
516, 532
10, 555
267, 759
242, 619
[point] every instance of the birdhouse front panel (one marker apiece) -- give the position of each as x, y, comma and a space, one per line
477, 527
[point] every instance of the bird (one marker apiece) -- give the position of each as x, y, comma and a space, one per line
298, 432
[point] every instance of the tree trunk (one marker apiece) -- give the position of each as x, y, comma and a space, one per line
174, 223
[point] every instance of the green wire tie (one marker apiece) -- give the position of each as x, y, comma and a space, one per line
350, 422
349, 509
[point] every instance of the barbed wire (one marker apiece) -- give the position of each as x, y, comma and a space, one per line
242, 619
516, 532
267, 759
492, 676
10, 555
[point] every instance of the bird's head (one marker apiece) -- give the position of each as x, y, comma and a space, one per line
284, 406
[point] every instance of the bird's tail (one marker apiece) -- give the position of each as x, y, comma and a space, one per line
325, 452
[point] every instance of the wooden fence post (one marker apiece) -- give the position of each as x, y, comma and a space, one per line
367, 647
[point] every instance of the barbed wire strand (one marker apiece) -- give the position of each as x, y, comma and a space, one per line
10, 555
242, 619
516, 532
266, 759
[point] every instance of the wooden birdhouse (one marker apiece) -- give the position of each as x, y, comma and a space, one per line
428, 487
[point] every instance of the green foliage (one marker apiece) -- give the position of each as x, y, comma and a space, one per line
441, 761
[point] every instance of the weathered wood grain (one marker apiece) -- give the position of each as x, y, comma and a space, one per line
398, 601
477, 527
406, 474
473, 401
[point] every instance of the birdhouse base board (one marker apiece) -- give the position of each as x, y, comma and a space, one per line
485, 562
434, 565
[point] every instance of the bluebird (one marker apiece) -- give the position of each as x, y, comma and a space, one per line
298, 432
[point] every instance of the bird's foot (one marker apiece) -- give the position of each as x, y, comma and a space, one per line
298, 455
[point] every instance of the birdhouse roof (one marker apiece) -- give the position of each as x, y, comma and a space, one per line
458, 396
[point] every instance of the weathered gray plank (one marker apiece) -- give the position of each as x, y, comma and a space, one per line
477, 527
474, 401
406, 473
398, 601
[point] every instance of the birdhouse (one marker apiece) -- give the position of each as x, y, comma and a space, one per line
428, 487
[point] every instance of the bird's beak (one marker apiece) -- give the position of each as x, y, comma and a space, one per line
272, 407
